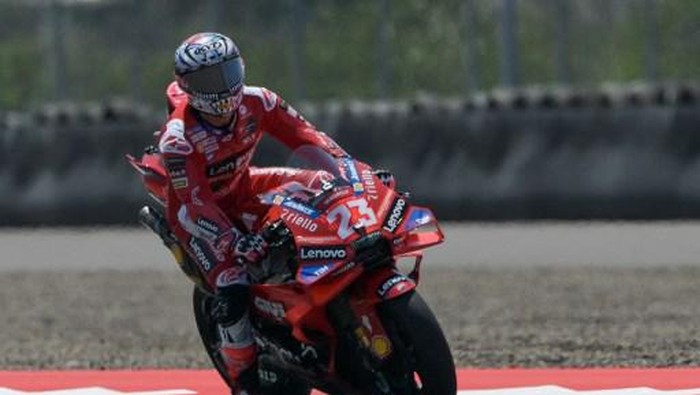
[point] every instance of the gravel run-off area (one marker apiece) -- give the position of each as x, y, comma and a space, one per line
498, 312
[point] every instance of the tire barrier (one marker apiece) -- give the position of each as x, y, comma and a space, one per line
619, 152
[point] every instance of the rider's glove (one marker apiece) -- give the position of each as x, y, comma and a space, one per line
250, 249
386, 178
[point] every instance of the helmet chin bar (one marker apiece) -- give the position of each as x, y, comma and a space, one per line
216, 107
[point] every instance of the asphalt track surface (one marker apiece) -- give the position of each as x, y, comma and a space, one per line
526, 295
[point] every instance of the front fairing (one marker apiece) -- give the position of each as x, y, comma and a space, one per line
329, 219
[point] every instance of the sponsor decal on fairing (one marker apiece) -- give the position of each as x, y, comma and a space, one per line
396, 214
381, 346
323, 253
312, 240
353, 176
285, 201
418, 217
345, 268
312, 272
273, 309
300, 207
370, 184
302, 221
397, 281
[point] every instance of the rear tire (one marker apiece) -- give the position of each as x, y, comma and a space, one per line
283, 384
208, 331
410, 319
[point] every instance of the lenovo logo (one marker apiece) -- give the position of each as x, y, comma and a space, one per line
319, 253
201, 255
396, 215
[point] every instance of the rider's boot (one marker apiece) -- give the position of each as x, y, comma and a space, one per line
238, 347
242, 369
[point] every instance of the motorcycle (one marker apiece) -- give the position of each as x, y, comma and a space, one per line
330, 306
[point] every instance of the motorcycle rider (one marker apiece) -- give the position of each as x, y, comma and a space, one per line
207, 143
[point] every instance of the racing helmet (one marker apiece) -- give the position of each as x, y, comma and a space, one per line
209, 68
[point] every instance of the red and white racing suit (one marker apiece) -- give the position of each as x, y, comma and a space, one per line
213, 190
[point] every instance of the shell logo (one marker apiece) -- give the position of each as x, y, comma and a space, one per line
381, 346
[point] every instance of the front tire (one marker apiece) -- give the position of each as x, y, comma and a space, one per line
421, 346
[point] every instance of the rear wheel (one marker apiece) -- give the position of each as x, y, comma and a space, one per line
420, 347
208, 331
272, 381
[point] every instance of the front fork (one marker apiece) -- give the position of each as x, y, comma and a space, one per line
351, 331
358, 323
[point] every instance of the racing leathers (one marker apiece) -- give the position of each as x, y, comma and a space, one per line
212, 204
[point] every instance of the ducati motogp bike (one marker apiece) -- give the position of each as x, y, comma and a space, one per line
332, 305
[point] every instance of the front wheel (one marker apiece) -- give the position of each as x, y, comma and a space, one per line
420, 347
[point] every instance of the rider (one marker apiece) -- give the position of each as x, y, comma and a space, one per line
214, 126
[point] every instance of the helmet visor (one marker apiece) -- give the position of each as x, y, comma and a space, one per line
219, 78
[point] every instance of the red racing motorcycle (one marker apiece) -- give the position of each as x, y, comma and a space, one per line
330, 307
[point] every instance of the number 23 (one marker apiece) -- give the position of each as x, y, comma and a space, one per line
344, 214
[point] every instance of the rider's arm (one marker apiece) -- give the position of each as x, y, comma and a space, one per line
198, 213
284, 123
